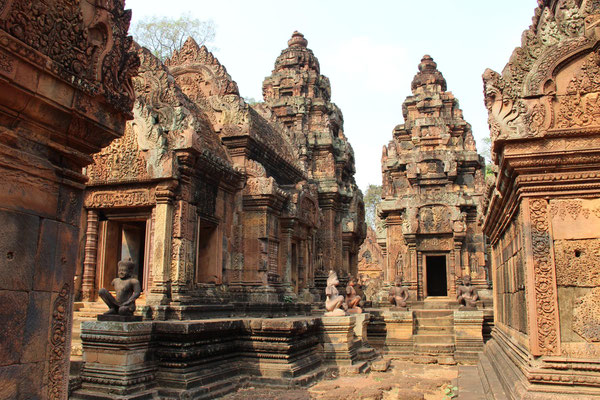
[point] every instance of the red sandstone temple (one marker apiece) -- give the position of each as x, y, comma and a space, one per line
216, 200
239, 211
432, 196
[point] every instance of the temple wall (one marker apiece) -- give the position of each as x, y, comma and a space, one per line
545, 130
56, 91
508, 266
577, 256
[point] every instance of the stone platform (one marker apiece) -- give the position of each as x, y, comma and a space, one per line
507, 371
206, 359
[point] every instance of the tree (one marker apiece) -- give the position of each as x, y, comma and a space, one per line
372, 198
162, 36
487, 154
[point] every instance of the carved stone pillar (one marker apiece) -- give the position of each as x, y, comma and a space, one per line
88, 288
161, 255
542, 301
418, 263
285, 249
455, 269
413, 274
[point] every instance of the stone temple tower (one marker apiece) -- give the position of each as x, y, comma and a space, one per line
299, 98
433, 183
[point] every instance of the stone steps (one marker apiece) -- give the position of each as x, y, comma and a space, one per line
358, 367
434, 348
433, 313
218, 389
429, 329
434, 305
433, 339
366, 353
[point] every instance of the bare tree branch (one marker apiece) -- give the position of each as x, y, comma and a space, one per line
162, 36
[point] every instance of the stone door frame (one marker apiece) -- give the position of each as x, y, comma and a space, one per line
422, 256
93, 267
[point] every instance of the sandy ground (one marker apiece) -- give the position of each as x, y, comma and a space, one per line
403, 381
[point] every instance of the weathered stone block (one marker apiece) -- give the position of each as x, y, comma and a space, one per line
13, 314
468, 330
399, 333
46, 255
66, 255
360, 327
338, 339
117, 358
18, 242
24, 381
37, 325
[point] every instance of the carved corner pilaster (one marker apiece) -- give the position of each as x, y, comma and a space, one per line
542, 297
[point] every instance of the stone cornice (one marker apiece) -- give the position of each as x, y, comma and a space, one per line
274, 163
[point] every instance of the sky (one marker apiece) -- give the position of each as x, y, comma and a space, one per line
370, 51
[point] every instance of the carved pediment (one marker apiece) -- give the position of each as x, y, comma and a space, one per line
551, 80
121, 161
86, 43
199, 73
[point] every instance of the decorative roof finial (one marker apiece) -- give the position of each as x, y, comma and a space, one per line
297, 40
428, 74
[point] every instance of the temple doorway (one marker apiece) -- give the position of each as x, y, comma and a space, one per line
437, 284
122, 238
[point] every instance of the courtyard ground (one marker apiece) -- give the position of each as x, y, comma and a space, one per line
402, 381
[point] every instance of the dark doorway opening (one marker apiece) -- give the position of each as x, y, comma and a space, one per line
436, 276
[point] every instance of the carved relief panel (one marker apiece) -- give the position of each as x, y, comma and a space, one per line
434, 219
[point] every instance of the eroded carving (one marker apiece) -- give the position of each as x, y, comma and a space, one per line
577, 262
59, 335
586, 316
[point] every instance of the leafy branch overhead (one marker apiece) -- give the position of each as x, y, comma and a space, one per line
372, 198
162, 35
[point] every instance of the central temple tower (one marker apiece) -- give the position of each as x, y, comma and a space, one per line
299, 98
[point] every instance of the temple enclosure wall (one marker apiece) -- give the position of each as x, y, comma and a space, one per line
543, 210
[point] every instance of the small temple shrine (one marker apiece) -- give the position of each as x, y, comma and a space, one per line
433, 184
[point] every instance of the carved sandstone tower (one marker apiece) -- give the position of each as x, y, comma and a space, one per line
299, 97
543, 217
432, 193
65, 79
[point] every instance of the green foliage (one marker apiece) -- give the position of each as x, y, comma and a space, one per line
450, 391
486, 151
251, 101
288, 299
162, 35
372, 198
